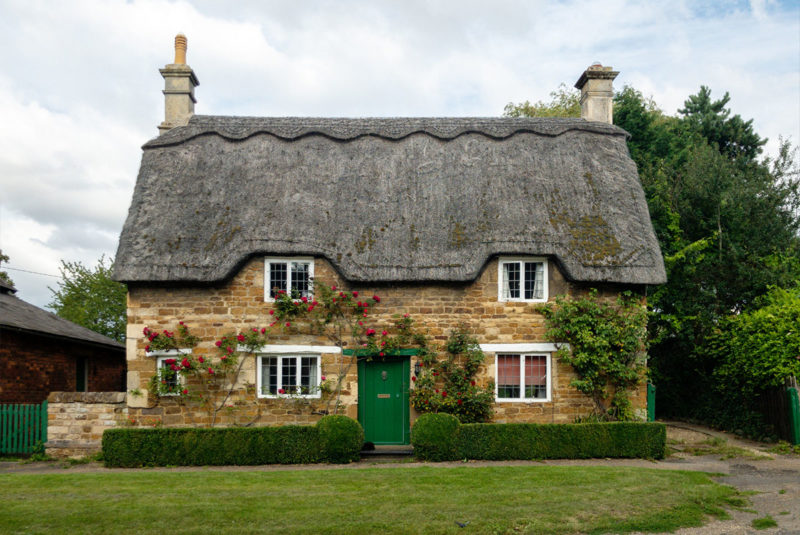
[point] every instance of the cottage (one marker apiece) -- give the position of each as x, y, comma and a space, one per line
453, 220
42, 353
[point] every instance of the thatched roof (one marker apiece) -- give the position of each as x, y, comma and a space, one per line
17, 315
397, 199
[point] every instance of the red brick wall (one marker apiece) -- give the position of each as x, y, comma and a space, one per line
32, 366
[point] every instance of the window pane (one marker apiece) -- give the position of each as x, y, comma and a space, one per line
269, 375
289, 373
536, 376
508, 376
169, 377
511, 276
277, 277
534, 273
300, 279
308, 375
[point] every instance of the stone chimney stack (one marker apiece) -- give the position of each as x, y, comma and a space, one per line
179, 84
597, 93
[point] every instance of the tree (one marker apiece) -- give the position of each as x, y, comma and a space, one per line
91, 299
727, 225
732, 136
566, 102
4, 274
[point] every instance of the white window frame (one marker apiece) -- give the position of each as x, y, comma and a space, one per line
180, 379
522, 359
288, 261
297, 355
521, 260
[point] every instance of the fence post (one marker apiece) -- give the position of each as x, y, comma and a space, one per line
43, 429
651, 402
794, 415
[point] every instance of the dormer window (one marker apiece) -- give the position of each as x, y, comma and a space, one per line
522, 279
293, 276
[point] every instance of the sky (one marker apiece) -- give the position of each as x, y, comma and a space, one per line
80, 91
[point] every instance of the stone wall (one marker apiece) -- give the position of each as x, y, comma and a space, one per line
33, 365
238, 304
76, 421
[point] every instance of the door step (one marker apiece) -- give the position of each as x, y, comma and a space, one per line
388, 453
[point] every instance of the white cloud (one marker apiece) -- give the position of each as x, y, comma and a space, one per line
80, 89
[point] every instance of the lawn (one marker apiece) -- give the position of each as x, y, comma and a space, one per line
427, 499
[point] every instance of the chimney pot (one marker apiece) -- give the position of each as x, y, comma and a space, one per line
180, 49
179, 84
597, 93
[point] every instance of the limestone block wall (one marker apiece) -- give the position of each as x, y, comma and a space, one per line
76, 421
238, 304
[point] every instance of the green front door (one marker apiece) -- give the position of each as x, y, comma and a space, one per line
383, 400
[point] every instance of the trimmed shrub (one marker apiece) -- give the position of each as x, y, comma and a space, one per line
341, 438
434, 437
437, 438
561, 441
289, 444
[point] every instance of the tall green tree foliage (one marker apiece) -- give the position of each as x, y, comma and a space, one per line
564, 102
727, 224
88, 297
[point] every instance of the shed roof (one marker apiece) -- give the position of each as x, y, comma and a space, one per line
388, 199
19, 315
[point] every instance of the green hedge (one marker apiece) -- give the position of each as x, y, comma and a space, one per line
289, 444
547, 441
434, 437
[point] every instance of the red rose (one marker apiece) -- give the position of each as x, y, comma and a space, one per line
201, 359
223, 358
355, 294
288, 323
333, 288
147, 348
263, 330
444, 394
229, 349
413, 378
180, 323
218, 343
322, 378
459, 402
381, 353
185, 362
405, 315
240, 338
370, 332
211, 371
281, 391
185, 392
341, 294
304, 299
170, 361
361, 323
365, 314
435, 373
376, 298
472, 383
384, 333
255, 330
271, 312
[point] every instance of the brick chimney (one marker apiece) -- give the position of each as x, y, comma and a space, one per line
596, 93
179, 84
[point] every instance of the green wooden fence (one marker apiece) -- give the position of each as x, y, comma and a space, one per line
21, 427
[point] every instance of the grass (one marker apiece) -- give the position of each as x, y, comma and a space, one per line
784, 448
719, 446
764, 522
496, 499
